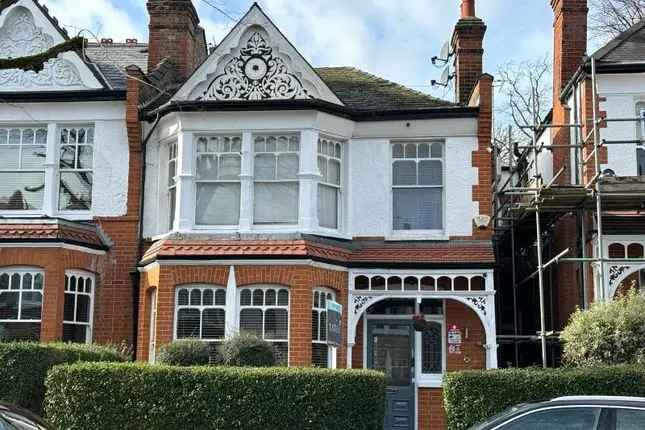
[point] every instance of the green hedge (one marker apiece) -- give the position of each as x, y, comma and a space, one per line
472, 397
104, 396
25, 365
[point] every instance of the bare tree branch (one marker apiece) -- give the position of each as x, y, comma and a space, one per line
609, 18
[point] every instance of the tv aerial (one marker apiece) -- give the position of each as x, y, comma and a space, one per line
446, 77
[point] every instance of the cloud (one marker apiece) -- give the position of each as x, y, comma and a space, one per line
117, 20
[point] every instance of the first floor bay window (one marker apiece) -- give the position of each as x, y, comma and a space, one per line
329, 165
219, 162
200, 312
417, 186
276, 189
319, 347
77, 316
264, 311
76, 163
21, 303
22, 170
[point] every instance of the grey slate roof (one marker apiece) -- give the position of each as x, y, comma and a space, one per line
628, 47
358, 90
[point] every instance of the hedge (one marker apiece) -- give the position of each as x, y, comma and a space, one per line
104, 396
474, 396
25, 365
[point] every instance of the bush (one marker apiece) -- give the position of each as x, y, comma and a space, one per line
608, 333
472, 397
106, 396
25, 365
247, 350
185, 353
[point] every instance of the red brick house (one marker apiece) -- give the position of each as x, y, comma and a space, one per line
242, 189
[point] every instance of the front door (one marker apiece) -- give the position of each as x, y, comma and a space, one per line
390, 350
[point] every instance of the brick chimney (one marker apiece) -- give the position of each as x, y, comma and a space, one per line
569, 50
175, 34
467, 45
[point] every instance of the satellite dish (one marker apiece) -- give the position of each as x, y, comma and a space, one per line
446, 77
445, 51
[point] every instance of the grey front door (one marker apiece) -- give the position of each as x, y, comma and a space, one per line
390, 350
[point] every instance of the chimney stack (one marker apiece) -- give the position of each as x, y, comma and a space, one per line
175, 34
468, 47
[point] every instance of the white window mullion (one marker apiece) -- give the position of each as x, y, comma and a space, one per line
246, 181
51, 171
309, 177
185, 210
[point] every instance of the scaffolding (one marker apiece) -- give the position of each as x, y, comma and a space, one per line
524, 194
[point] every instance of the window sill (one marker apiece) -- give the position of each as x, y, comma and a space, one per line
418, 235
430, 381
72, 216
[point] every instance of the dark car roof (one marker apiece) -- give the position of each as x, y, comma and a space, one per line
5, 407
600, 401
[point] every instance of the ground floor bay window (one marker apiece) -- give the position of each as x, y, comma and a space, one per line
78, 313
21, 303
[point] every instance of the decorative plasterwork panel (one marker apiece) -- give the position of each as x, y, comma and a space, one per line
20, 37
257, 73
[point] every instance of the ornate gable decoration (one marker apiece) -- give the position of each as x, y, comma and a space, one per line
256, 74
21, 37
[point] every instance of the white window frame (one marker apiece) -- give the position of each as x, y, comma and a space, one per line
434, 234
642, 123
171, 182
60, 171
325, 291
217, 181
201, 308
22, 271
92, 278
20, 169
264, 307
327, 159
431, 379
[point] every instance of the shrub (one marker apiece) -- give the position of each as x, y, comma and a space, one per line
186, 352
472, 397
608, 333
246, 349
104, 396
25, 365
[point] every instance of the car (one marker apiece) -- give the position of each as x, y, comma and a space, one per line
15, 418
572, 413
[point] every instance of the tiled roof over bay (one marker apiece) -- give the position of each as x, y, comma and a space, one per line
113, 58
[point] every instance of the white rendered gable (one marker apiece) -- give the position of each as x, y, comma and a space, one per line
255, 62
26, 31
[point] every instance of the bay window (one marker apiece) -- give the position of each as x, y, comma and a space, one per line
264, 311
21, 303
640, 149
200, 312
219, 163
319, 347
77, 315
276, 187
76, 164
22, 167
329, 165
417, 186
171, 170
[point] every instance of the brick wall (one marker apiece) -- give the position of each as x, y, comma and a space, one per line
432, 415
301, 281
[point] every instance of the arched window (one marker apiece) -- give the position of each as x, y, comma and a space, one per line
77, 316
264, 311
21, 303
319, 348
200, 312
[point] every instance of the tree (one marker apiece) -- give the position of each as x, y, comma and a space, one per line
524, 98
609, 18
608, 333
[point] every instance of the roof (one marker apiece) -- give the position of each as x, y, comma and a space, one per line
52, 230
627, 47
356, 253
360, 91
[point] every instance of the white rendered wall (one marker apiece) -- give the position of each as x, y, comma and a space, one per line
623, 92
111, 150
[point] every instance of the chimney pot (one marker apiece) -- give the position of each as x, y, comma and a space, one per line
467, 8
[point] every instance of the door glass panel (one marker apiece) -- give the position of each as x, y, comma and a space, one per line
630, 419
391, 353
557, 419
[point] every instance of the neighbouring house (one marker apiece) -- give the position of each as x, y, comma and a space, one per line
241, 190
598, 110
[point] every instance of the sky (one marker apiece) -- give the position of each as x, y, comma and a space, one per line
394, 39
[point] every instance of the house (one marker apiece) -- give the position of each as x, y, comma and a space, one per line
587, 187
250, 189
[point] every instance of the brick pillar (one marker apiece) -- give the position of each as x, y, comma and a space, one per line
51, 327
482, 158
467, 45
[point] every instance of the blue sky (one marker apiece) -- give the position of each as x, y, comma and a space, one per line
394, 39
